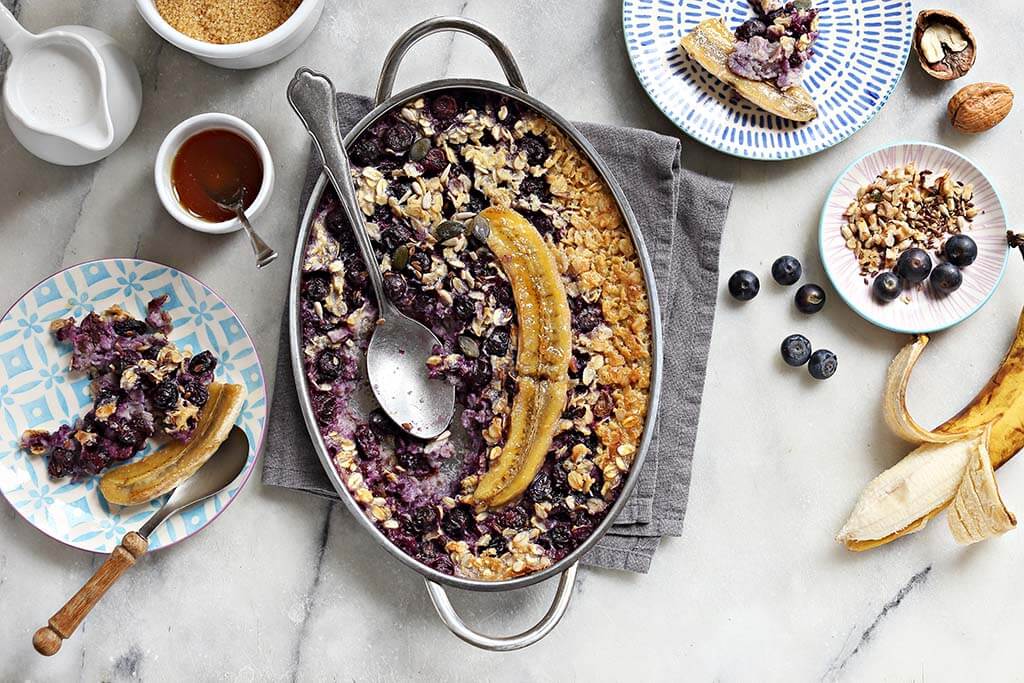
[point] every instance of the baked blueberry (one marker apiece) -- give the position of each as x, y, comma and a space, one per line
796, 350
744, 285
823, 364
787, 270
328, 366
810, 299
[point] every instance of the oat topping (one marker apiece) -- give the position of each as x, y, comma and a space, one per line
905, 208
421, 176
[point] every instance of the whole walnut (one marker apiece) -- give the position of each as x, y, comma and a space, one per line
979, 107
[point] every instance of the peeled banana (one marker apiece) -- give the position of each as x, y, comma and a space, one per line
712, 42
897, 503
542, 363
162, 471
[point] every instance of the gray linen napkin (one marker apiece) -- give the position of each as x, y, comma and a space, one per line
681, 215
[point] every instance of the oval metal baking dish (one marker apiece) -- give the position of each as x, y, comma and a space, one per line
567, 566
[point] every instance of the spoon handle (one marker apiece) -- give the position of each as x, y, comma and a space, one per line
49, 638
312, 96
264, 254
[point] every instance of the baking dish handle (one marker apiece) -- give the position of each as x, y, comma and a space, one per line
386, 84
528, 637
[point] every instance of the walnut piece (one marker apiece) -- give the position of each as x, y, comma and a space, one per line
979, 107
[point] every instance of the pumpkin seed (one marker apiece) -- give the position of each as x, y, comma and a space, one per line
803, 4
419, 149
400, 259
479, 228
448, 230
469, 346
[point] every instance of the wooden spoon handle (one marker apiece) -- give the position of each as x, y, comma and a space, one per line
48, 639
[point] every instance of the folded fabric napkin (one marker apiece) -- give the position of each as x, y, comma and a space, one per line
681, 215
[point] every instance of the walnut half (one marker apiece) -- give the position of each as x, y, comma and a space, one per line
945, 45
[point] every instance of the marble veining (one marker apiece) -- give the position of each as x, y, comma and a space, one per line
287, 587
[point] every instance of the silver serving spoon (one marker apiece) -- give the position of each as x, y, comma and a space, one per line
396, 360
214, 476
234, 201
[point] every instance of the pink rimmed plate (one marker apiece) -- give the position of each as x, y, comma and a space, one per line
920, 310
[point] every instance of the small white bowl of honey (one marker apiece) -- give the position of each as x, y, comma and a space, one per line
213, 153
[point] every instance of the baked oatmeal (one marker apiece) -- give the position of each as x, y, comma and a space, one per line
423, 174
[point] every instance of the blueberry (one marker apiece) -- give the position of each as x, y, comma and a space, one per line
946, 278
129, 327
434, 162
497, 343
463, 307
540, 488
961, 250
787, 270
536, 149
444, 107
559, 537
455, 523
380, 423
202, 363
535, 187
328, 366
810, 299
365, 151
166, 395
914, 265
750, 28
744, 285
887, 286
399, 138
796, 350
422, 520
316, 288
823, 364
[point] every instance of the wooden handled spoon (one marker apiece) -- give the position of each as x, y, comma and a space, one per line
213, 477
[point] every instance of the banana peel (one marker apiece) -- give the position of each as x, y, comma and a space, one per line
711, 43
544, 343
162, 471
992, 424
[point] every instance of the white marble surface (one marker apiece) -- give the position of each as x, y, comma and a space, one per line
285, 586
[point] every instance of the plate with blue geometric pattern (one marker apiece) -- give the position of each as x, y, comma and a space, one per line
37, 391
860, 54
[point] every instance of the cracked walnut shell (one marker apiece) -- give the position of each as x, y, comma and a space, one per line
979, 107
945, 45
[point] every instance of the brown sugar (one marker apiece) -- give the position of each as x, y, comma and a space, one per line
226, 21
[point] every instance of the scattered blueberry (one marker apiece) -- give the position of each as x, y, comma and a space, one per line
946, 278
540, 489
497, 343
787, 270
914, 265
559, 537
422, 520
796, 350
365, 151
129, 327
961, 250
400, 137
536, 149
202, 363
455, 523
166, 395
810, 299
316, 288
744, 285
887, 286
823, 364
434, 162
444, 107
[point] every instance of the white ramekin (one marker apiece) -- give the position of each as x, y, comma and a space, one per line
249, 55
169, 148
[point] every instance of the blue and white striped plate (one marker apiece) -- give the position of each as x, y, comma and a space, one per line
37, 391
859, 58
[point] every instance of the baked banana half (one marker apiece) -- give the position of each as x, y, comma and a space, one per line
162, 471
542, 362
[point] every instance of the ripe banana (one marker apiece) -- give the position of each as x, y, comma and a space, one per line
162, 471
542, 362
712, 42
895, 503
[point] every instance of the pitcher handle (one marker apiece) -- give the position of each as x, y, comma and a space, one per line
386, 83
528, 637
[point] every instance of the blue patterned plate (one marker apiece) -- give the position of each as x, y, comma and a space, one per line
860, 55
36, 391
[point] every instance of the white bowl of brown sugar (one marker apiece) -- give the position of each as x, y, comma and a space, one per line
233, 34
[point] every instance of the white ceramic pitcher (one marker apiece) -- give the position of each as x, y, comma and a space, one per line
71, 95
